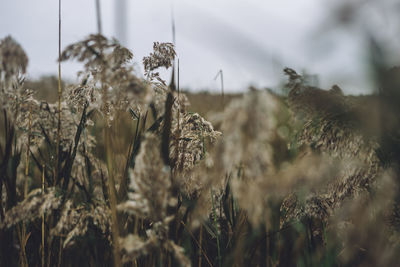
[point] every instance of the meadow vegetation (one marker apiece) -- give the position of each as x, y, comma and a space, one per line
124, 172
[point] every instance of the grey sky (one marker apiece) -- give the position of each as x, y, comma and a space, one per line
251, 40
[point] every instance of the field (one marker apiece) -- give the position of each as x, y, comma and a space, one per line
119, 170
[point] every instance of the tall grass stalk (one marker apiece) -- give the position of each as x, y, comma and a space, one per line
59, 96
200, 243
27, 153
221, 75
133, 146
216, 228
111, 182
23, 236
43, 234
173, 25
98, 16
201, 250
113, 200
179, 93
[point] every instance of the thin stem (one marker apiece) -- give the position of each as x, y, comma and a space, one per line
216, 229
173, 26
221, 74
43, 170
179, 105
178, 79
60, 253
23, 237
27, 153
98, 15
267, 247
111, 182
59, 94
113, 199
198, 244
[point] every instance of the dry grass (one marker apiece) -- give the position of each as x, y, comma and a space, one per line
142, 180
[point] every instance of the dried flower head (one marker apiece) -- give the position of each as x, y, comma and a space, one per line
32, 207
97, 52
150, 183
150, 198
189, 147
83, 95
108, 73
13, 59
78, 221
163, 55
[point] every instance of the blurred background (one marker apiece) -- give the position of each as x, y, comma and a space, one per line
250, 40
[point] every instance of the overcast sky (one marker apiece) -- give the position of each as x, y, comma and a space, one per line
250, 40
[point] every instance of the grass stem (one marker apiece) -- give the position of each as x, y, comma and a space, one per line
43, 219
56, 173
98, 16
216, 228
